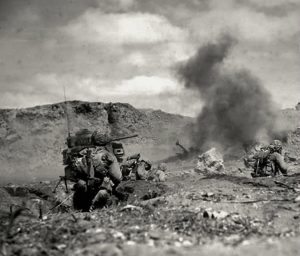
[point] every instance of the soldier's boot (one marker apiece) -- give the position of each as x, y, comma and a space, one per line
100, 200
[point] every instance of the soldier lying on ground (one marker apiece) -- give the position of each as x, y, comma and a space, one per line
267, 160
103, 175
134, 168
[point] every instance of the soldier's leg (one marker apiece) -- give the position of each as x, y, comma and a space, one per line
80, 197
279, 162
100, 200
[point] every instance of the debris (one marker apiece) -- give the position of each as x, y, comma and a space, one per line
210, 161
208, 213
131, 207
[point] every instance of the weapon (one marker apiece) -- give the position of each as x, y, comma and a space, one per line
124, 137
67, 114
63, 178
185, 151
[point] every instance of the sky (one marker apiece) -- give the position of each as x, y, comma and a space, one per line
129, 50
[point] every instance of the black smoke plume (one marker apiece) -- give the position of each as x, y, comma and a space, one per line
237, 109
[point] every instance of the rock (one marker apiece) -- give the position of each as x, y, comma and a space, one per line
297, 199
155, 235
187, 243
210, 161
131, 208
208, 213
119, 235
219, 214
205, 214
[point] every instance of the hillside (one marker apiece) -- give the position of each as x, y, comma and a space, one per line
32, 139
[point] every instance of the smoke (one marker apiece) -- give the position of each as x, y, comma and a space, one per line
237, 110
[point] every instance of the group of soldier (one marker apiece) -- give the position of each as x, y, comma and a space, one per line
97, 166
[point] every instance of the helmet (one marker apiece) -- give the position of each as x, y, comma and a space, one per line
100, 139
276, 146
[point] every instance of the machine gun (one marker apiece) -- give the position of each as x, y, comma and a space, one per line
185, 151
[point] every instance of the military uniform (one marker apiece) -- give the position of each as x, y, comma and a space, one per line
105, 175
268, 161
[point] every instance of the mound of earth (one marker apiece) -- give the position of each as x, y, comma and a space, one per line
32, 139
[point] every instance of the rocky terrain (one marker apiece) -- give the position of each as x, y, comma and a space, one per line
218, 213
32, 139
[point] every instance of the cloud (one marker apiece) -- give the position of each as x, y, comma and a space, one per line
81, 87
126, 4
95, 47
116, 5
141, 91
272, 3
147, 85
122, 28
244, 23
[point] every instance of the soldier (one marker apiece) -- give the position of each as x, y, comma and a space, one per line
91, 161
268, 160
276, 158
102, 180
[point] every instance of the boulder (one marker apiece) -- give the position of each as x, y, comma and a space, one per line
210, 161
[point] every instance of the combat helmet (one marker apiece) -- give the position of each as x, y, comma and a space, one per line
276, 146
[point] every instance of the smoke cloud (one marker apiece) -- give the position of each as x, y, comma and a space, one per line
237, 110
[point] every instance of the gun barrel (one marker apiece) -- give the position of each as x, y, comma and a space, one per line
182, 147
125, 137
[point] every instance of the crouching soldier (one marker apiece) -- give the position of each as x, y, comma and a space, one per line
268, 161
276, 158
104, 176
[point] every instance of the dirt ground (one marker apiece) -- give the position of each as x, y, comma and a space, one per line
192, 213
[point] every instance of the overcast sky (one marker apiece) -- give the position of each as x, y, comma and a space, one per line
127, 50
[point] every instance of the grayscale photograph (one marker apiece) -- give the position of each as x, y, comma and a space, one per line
149, 127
